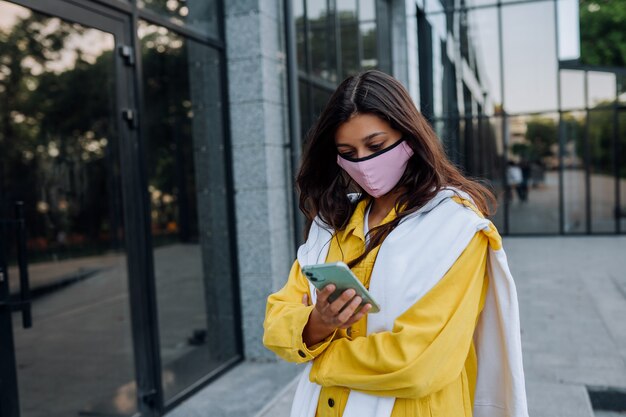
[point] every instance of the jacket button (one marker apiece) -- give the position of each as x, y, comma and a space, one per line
302, 354
331, 402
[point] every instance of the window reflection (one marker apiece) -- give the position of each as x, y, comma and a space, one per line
602, 181
621, 163
186, 184
530, 58
322, 40
370, 52
601, 89
574, 175
484, 38
572, 89
532, 173
200, 15
59, 154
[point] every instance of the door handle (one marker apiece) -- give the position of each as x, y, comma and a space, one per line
25, 302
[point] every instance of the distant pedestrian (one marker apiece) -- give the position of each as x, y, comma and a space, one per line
380, 194
514, 179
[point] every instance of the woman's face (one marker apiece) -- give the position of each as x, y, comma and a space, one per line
363, 135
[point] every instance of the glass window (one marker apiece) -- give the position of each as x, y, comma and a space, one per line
568, 23
532, 173
347, 9
484, 38
200, 15
350, 49
574, 182
437, 104
298, 15
367, 10
183, 133
601, 89
621, 89
349, 35
602, 33
621, 163
494, 155
320, 98
572, 89
473, 3
602, 180
530, 57
433, 6
370, 50
322, 40
60, 156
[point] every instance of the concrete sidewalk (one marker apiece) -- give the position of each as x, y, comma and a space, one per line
572, 293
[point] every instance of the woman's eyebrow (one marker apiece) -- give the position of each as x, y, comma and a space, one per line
365, 139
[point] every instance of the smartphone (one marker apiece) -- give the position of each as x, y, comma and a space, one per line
339, 274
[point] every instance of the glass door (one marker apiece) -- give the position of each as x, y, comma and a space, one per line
61, 137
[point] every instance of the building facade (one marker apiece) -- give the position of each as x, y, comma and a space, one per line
148, 153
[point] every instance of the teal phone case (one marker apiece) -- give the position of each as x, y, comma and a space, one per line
341, 276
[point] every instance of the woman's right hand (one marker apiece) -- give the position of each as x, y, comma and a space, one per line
326, 316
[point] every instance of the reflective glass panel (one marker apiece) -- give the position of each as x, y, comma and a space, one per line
349, 36
60, 157
532, 174
622, 168
530, 57
199, 15
187, 189
347, 9
602, 180
485, 3
320, 98
491, 132
621, 89
350, 49
602, 34
574, 176
569, 35
370, 50
572, 89
601, 89
298, 15
484, 38
321, 40
367, 10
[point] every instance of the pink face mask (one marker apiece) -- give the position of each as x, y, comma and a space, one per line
379, 172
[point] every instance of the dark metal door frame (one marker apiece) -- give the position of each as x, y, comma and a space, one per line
135, 202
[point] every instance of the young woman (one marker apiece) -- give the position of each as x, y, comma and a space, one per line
380, 195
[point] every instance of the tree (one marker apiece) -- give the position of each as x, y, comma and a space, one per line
541, 135
602, 33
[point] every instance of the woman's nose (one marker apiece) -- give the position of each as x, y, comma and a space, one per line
362, 153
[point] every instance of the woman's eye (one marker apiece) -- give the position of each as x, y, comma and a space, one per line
346, 154
376, 146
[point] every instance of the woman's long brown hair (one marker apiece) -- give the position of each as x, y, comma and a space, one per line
323, 185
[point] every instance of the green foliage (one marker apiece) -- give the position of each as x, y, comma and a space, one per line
541, 135
603, 32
